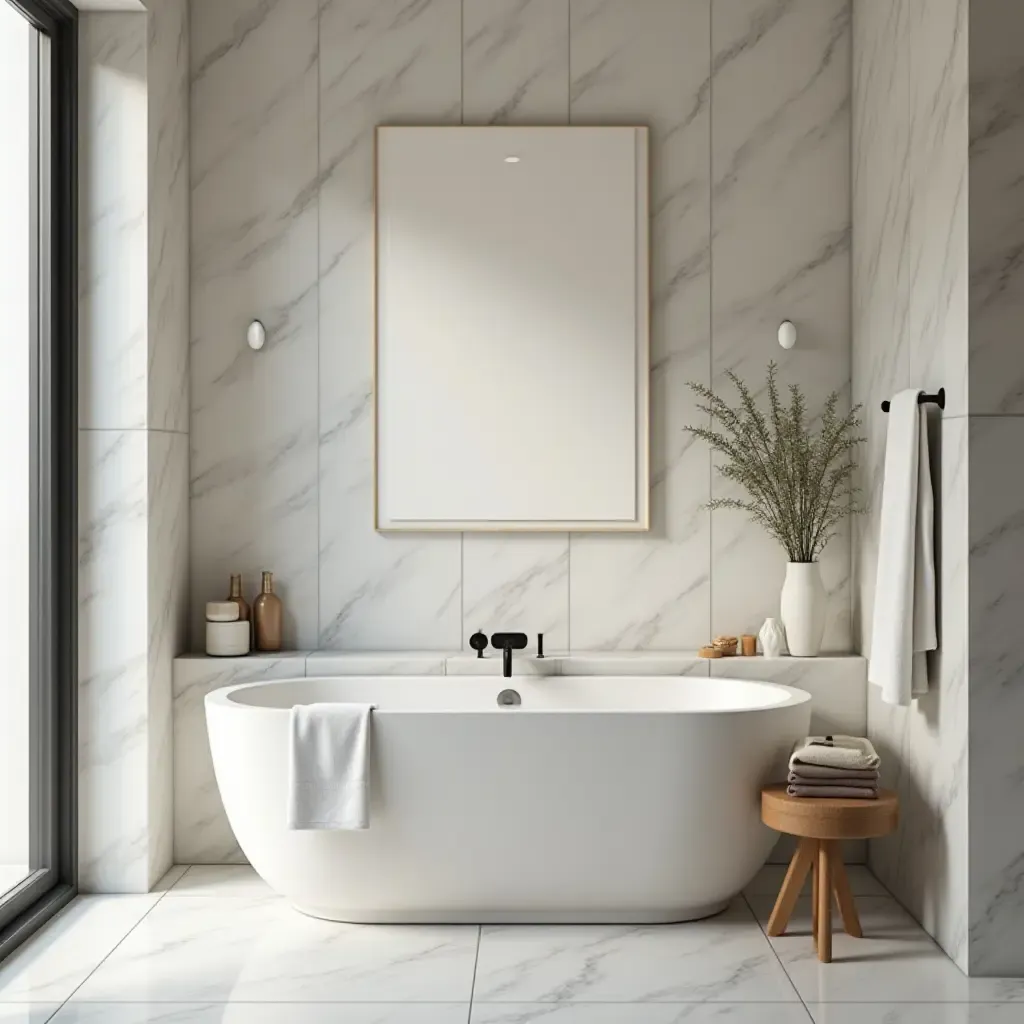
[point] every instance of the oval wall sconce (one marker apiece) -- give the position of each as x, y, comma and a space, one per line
256, 335
787, 334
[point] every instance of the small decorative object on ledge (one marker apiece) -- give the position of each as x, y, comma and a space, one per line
725, 644
773, 639
749, 645
227, 636
268, 617
799, 486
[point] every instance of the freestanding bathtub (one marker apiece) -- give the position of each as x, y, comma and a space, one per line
594, 800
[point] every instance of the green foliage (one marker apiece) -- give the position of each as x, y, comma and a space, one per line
799, 484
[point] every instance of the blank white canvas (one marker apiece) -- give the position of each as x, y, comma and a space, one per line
511, 327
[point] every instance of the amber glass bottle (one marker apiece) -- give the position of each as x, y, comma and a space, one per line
267, 616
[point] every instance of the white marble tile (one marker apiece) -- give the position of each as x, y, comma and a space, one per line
914, 1013
768, 881
639, 1013
258, 1013
201, 830
516, 582
113, 229
722, 959
924, 747
167, 77
113, 631
996, 204
838, 686
59, 957
379, 62
220, 880
167, 585
648, 63
515, 62
781, 240
254, 238
896, 961
523, 664
996, 695
27, 1013
375, 663
634, 663
170, 878
261, 950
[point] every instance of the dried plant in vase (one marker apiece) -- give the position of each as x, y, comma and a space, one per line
798, 482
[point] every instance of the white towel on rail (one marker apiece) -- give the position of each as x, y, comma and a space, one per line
328, 764
904, 615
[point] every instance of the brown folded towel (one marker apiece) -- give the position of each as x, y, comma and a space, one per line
835, 792
823, 771
796, 779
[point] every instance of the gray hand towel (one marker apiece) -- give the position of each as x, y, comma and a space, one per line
799, 779
834, 792
835, 752
814, 772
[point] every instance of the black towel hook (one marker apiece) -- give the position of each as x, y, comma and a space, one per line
938, 399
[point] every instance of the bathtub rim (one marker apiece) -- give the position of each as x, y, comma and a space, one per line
223, 697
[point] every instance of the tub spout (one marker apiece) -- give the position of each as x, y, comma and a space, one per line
508, 642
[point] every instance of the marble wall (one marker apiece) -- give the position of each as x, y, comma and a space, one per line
938, 293
749, 110
996, 439
910, 284
133, 434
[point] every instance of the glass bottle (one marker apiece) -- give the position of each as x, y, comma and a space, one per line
267, 616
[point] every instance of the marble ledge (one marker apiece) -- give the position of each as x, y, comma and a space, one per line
457, 663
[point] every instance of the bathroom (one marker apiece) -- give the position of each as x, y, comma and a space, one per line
847, 167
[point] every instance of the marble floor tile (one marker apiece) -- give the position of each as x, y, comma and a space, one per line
896, 961
768, 881
170, 878
260, 1013
27, 1013
722, 959
916, 1013
59, 957
234, 949
220, 880
639, 1013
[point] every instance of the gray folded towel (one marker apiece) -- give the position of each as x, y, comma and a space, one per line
835, 752
797, 779
816, 772
834, 792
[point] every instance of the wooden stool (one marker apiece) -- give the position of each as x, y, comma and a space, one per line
821, 822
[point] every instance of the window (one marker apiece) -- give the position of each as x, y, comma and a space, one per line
38, 411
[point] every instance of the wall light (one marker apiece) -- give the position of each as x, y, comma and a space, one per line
511, 159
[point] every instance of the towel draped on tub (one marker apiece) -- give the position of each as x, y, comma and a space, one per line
328, 763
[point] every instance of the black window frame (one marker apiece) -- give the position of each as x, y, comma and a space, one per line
54, 546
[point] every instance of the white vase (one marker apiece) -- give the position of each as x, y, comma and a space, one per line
773, 638
803, 608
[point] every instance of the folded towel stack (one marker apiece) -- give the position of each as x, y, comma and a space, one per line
834, 766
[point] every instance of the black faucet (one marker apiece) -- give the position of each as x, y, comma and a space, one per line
508, 642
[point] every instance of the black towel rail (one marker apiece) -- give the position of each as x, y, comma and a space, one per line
938, 399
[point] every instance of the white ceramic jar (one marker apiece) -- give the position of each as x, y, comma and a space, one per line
227, 636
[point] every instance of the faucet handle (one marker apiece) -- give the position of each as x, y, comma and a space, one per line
513, 641
478, 641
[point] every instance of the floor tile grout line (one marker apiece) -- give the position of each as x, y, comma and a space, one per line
107, 956
778, 958
476, 963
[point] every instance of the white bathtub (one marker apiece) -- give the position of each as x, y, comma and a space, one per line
596, 799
